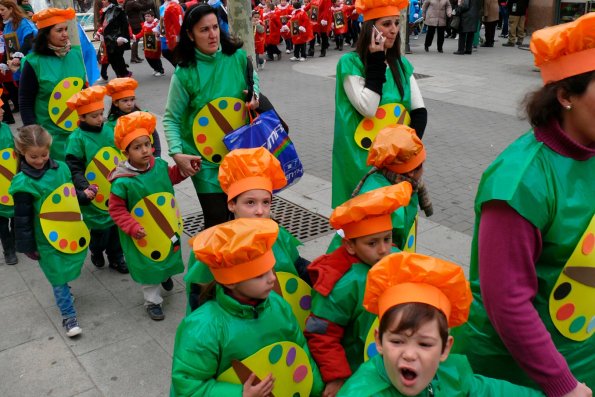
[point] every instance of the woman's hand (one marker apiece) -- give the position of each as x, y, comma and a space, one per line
263, 389
581, 390
253, 104
377, 42
188, 164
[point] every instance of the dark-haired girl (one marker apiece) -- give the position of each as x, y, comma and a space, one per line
375, 88
207, 97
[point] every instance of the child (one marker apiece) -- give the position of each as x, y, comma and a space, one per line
341, 14
272, 24
124, 102
229, 345
338, 326
300, 28
91, 156
152, 45
8, 167
418, 298
284, 10
48, 221
249, 177
259, 39
143, 205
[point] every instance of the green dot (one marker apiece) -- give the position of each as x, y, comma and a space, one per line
55, 110
160, 200
56, 198
105, 155
75, 83
297, 394
577, 324
291, 285
275, 354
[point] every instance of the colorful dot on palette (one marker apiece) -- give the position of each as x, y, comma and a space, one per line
275, 354
55, 111
300, 373
291, 285
591, 326
577, 324
56, 198
4, 199
82, 241
216, 158
296, 394
73, 245
290, 358
116, 160
73, 191
53, 236
380, 113
223, 104
372, 351
410, 241
160, 200
208, 150
75, 83
139, 212
63, 243
397, 111
306, 302
5, 155
368, 125
562, 291
66, 84
142, 242
99, 198
203, 121
173, 205
68, 124
57, 95
105, 155
588, 244
201, 138
66, 191
565, 312
91, 176
366, 142
237, 106
155, 255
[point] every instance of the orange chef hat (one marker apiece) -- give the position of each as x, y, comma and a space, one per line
397, 148
370, 212
374, 9
248, 169
406, 277
88, 100
52, 16
121, 87
238, 250
565, 50
131, 126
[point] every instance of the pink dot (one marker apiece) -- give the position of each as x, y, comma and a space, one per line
300, 373
73, 191
565, 312
66, 84
4, 199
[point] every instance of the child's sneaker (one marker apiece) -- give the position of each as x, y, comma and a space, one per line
97, 259
158, 74
293, 59
288, 51
71, 326
168, 284
119, 265
100, 81
302, 59
155, 312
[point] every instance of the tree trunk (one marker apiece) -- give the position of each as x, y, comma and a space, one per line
240, 25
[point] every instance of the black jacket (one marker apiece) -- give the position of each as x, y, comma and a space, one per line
470, 12
115, 25
517, 7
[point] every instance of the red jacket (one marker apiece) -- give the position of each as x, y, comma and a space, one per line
151, 28
340, 15
259, 38
284, 14
173, 15
299, 18
272, 26
320, 10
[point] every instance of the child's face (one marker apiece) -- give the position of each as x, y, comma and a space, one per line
94, 119
126, 104
255, 18
411, 359
251, 204
139, 152
370, 249
255, 288
149, 18
37, 156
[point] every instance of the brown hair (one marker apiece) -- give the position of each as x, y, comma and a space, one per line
17, 12
413, 316
31, 136
542, 105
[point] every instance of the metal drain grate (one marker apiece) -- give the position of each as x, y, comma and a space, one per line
419, 76
301, 223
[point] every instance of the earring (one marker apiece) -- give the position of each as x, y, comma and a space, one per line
568, 107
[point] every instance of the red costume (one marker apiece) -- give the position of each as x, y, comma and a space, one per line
272, 28
320, 10
259, 38
284, 13
341, 15
173, 15
151, 29
299, 19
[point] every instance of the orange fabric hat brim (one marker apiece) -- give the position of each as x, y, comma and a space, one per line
413, 292
244, 271
123, 94
250, 183
131, 136
568, 66
379, 12
368, 226
90, 107
410, 165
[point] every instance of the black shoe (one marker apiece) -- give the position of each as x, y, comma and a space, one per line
311, 53
155, 312
168, 284
119, 266
10, 257
487, 45
440, 50
459, 53
97, 259
269, 59
322, 53
426, 48
468, 52
508, 44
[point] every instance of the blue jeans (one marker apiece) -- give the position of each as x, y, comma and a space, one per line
504, 13
64, 300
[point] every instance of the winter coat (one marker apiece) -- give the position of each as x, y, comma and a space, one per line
470, 11
115, 24
134, 11
491, 10
436, 11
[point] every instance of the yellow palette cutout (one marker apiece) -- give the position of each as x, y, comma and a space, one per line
298, 294
386, 115
411, 241
98, 169
370, 344
8, 169
60, 114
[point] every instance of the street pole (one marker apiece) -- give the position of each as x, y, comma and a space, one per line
240, 25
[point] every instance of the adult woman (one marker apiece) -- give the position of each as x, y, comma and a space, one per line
203, 105
116, 36
435, 13
469, 10
375, 88
532, 256
52, 73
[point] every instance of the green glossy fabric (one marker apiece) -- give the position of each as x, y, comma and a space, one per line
58, 267
143, 269
349, 160
454, 378
6, 142
556, 194
50, 70
85, 145
402, 218
222, 330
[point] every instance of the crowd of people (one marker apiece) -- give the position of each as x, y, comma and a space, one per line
370, 317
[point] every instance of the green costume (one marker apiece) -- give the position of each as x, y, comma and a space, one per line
150, 200
60, 234
454, 378
402, 219
354, 135
223, 330
59, 78
202, 107
100, 156
556, 194
8, 167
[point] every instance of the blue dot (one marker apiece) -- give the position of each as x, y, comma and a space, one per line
68, 124
160, 200
410, 241
372, 351
397, 111
91, 176
223, 104
53, 236
5, 155
203, 121
139, 212
106, 155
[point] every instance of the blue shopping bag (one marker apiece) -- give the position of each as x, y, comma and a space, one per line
266, 130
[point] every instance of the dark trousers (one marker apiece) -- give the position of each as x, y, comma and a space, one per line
323, 43
272, 50
439, 39
7, 234
107, 240
104, 70
466, 42
299, 50
214, 208
288, 44
116, 61
155, 64
504, 22
169, 55
490, 32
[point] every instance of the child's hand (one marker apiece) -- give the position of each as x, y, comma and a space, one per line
91, 191
263, 389
184, 163
140, 233
332, 388
196, 162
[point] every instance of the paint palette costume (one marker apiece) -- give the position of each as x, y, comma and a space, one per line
97, 172
8, 169
386, 115
298, 294
64, 117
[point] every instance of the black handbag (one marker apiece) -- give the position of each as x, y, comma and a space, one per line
455, 22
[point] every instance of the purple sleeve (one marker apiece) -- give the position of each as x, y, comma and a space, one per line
508, 282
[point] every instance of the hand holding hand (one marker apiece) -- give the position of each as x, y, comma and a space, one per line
91, 191
263, 389
184, 162
332, 388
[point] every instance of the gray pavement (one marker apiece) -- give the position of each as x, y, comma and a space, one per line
472, 103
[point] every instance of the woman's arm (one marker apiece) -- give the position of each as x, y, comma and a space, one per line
365, 93
28, 88
177, 102
418, 113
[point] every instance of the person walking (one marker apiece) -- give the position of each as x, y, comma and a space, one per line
435, 13
116, 36
135, 12
470, 11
